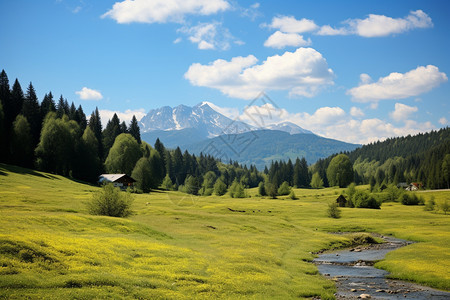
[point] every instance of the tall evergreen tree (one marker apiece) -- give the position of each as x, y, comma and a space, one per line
32, 111
72, 112
162, 152
5, 94
17, 98
135, 131
47, 105
62, 108
95, 124
80, 117
123, 127
110, 133
3, 139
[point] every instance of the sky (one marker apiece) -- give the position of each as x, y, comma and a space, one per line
356, 71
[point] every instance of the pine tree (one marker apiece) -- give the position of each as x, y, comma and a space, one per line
123, 127
62, 108
47, 105
80, 118
96, 126
32, 111
110, 133
7, 115
136, 133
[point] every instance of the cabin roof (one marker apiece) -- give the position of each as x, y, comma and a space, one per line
115, 177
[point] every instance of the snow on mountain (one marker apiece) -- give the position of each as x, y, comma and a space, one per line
201, 117
288, 127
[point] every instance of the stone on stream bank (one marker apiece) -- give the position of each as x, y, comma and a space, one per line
352, 270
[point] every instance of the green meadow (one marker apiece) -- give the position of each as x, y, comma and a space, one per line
178, 246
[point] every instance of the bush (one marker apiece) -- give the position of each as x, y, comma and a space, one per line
167, 183
220, 188
411, 199
430, 204
237, 190
110, 201
284, 189
333, 210
292, 195
363, 199
444, 206
262, 189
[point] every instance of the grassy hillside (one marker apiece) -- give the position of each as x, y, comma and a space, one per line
178, 246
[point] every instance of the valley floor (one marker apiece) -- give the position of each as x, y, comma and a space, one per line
180, 246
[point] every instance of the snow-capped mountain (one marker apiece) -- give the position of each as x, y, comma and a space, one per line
288, 127
200, 117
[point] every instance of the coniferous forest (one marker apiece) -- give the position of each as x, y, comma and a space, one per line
53, 136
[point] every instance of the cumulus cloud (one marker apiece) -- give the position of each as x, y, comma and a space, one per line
402, 112
302, 73
356, 112
208, 36
126, 116
162, 11
380, 25
289, 24
280, 40
89, 94
443, 121
399, 86
330, 122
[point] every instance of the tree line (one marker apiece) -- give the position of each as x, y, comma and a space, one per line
59, 138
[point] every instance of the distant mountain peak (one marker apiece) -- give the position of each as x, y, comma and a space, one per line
288, 127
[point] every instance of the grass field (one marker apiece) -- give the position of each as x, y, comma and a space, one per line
180, 246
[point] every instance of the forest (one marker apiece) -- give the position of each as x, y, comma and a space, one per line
59, 138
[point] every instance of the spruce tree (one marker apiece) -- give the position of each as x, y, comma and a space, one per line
96, 126
136, 133
112, 130
80, 118
47, 105
31, 111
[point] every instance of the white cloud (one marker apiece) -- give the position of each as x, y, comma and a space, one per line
177, 40
443, 121
328, 30
280, 40
402, 112
89, 94
208, 36
290, 24
399, 86
302, 73
106, 115
162, 11
330, 122
380, 25
251, 12
356, 112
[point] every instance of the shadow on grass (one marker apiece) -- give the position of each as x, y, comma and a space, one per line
20, 170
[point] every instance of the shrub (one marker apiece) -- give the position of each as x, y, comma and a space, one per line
363, 199
444, 206
262, 189
271, 190
411, 199
167, 183
333, 210
284, 189
220, 188
110, 201
430, 204
237, 190
292, 195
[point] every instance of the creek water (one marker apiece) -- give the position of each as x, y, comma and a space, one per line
355, 276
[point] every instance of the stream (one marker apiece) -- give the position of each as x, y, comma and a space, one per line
355, 276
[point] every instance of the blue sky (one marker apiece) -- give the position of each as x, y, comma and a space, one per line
356, 71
